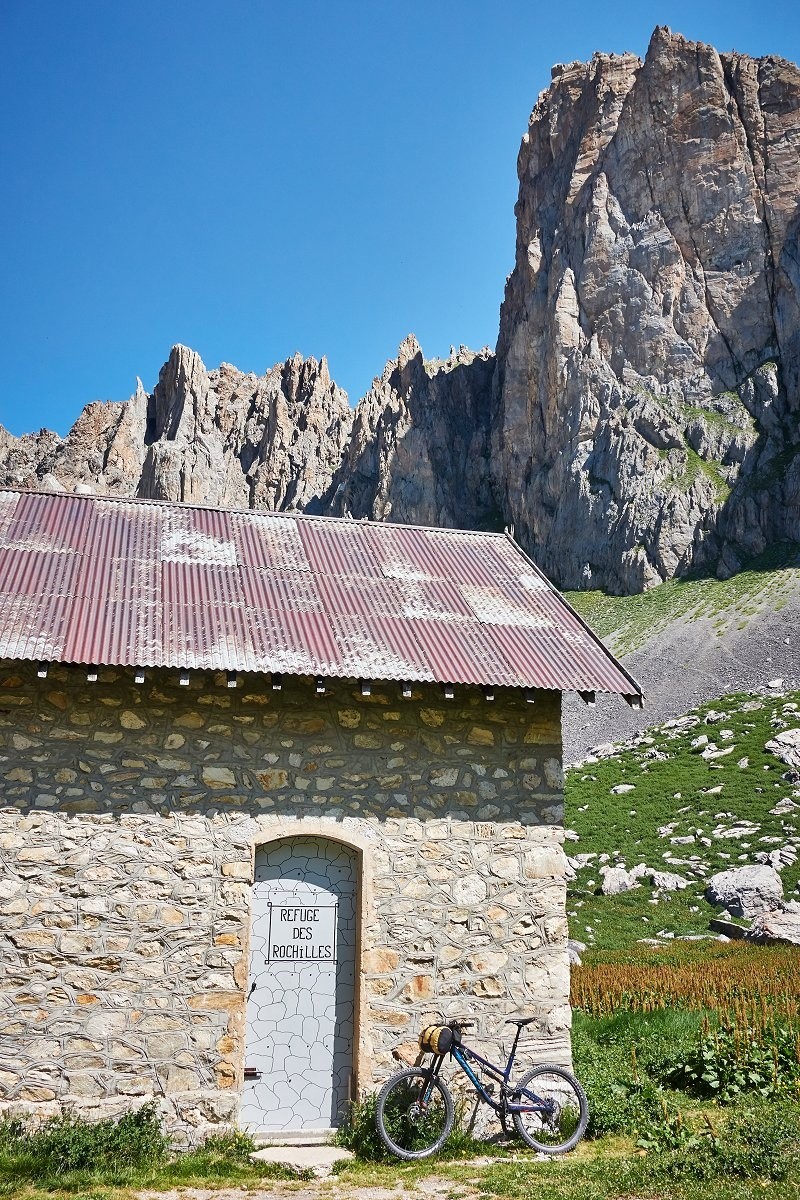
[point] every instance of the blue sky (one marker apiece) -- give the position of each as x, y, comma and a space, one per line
253, 179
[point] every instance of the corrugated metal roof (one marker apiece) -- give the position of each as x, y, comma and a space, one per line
110, 582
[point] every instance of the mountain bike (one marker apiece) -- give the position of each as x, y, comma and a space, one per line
415, 1112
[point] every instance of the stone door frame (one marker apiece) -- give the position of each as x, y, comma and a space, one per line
287, 829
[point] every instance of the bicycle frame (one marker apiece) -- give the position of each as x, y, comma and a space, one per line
463, 1054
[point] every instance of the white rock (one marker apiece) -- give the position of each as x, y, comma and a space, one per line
617, 880
784, 856
620, 788
575, 949
739, 830
604, 750
775, 683
49, 483
781, 925
667, 881
746, 891
786, 747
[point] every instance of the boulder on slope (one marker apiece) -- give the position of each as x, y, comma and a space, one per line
746, 891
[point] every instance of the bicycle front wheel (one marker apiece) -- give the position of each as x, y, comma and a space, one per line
415, 1114
555, 1110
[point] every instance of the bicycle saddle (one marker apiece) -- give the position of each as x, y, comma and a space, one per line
520, 1021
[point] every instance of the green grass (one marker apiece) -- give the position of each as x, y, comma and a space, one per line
628, 622
621, 1178
695, 467
68, 1155
675, 787
609, 1166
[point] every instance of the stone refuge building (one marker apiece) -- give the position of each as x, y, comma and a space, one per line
275, 790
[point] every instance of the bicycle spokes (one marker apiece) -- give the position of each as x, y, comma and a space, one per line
415, 1115
552, 1110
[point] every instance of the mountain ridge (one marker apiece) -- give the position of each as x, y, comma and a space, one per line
640, 417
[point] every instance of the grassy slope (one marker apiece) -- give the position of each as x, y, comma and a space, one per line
628, 622
675, 786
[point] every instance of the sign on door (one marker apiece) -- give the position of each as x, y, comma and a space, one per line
302, 933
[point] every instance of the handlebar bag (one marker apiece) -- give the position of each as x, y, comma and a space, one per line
436, 1039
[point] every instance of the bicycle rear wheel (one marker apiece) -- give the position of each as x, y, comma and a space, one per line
414, 1118
558, 1114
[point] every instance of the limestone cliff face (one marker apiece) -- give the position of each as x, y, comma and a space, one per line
214, 437
641, 418
646, 396
420, 445
416, 449
234, 440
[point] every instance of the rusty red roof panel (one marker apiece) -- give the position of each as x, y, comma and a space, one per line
128, 530
38, 524
472, 557
107, 581
384, 648
337, 547
407, 599
33, 626
108, 632
267, 540
28, 572
295, 591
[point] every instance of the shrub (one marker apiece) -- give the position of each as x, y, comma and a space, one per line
624, 1096
669, 1132
233, 1146
358, 1132
746, 1052
70, 1143
761, 1142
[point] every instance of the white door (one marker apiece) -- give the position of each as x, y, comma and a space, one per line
300, 1006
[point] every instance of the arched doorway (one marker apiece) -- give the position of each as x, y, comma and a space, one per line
301, 991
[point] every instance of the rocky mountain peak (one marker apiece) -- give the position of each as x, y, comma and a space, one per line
646, 382
182, 379
641, 417
408, 350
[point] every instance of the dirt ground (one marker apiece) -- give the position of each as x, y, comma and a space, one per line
431, 1187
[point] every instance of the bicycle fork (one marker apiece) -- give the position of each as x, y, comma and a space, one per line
432, 1074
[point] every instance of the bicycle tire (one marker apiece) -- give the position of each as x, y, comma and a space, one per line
405, 1132
572, 1109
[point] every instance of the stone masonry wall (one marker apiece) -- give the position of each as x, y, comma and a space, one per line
128, 820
